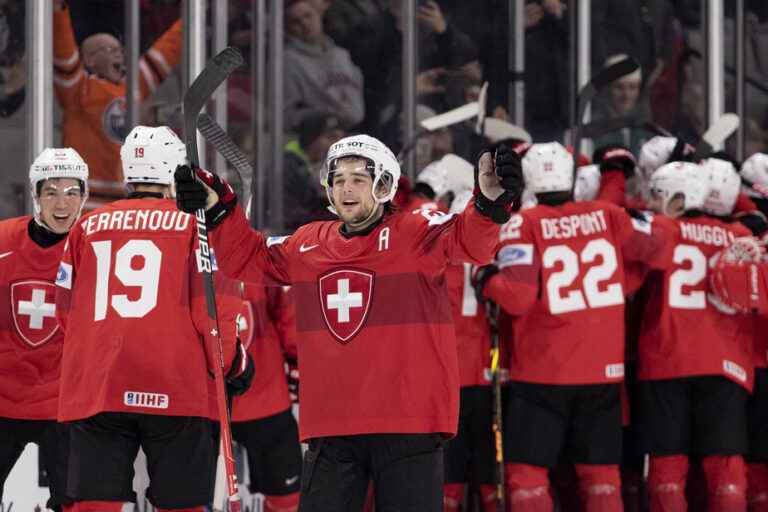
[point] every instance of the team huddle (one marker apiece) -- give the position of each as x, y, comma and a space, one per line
629, 325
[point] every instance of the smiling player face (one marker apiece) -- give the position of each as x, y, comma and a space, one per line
60, 200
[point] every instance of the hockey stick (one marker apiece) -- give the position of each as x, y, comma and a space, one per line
223, 143
716, 135
492, 315
444, 120
213, 75
587, 93
482, 106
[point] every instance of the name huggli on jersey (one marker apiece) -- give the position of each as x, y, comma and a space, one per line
570, 226
704, 234
137, 220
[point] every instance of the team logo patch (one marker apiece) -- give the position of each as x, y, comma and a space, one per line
64, 276
113, 120
149, 400
515, 254
345, 299
34, 311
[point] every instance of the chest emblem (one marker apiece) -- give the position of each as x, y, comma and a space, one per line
345, 299
34, 311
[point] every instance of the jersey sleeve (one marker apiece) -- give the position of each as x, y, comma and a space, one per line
643, 238
69, 76
516, 287
245, 254
612, 187
158, 62
282, 311
466, 237
228, 305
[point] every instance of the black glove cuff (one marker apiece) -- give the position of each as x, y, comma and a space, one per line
499, 211
217, 213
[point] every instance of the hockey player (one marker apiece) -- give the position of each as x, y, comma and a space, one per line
90, 86
262, 419
695, 360
376, 347
30, 340
134, 368
561, 271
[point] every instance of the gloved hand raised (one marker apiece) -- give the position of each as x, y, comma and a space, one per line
197, 188
500, 182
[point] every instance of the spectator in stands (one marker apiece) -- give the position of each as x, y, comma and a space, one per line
546, 69
90, 86
346, 17
624, 99
444, 51
319, 75
303, 198
13, 76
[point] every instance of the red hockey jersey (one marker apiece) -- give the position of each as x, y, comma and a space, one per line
30, 339
132, 307
268, 393
562, 273
472, 334
682, 333
375, 336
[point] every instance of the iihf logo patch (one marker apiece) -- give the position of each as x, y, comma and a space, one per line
64, 276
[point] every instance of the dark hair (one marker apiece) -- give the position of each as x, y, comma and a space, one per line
554, 198
39, 184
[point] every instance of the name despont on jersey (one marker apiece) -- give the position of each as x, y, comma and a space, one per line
710, 235
574, 225
137, 220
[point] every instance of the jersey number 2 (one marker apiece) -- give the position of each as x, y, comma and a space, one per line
612, 295
147, 278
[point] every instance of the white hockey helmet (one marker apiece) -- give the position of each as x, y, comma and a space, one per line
449, 174
655, 153
381, 163
460, 201
57, 163
684, 179
755, 170
151, 155
548, 167
724, 186
435, 176
588, 180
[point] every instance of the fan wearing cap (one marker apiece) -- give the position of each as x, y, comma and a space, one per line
374, 330
695, 356
137, 345
30, 339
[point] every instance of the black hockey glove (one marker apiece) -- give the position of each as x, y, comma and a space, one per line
239, 379
191, 195
615, 158
292, 376
508, 166
755, 221
480, 277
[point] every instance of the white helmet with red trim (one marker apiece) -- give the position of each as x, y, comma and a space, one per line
380, 162
57, 163
724, 186
755, 170
548, 167
676, 179
588, 181
151, 155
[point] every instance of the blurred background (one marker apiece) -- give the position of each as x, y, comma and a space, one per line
83, 72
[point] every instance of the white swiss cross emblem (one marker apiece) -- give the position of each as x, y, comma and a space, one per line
34, 311
345, 297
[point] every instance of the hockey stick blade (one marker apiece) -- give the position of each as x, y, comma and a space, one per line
604, 77
224, 144
457, 115
482, 106
716, 135
213, 75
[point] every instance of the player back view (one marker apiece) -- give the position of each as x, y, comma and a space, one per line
134, 370
562, 273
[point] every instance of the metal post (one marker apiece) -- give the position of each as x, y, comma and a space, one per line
741, 89
258, 74
39, 93
584, 57
516, 61
131, 48
410, 68
277, 218
715, 62
194, 52
220, 40
573, 81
